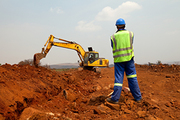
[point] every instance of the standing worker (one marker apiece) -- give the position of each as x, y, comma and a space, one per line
123, 54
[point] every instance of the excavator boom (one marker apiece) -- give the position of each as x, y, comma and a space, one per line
65, 44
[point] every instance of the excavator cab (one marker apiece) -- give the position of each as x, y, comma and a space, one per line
91, 57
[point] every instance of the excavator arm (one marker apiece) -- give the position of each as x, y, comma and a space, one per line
65, 44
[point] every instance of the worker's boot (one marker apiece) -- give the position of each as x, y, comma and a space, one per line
139, 101
111, 101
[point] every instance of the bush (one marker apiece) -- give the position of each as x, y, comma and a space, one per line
26, 62
159, 62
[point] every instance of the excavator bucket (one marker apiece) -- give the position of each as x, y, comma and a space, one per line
37, 58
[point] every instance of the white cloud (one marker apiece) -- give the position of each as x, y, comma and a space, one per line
87, 26
108, 13
56, 10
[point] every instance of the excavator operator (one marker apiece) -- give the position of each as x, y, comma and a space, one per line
91, 57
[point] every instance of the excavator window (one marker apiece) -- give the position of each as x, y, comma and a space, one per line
86, 58
96, 56
91, 57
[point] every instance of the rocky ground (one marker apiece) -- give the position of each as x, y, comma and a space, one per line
29, 93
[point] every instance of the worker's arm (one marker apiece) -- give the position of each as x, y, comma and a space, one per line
133, 38
111, 44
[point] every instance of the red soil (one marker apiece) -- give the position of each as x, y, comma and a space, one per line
40, 93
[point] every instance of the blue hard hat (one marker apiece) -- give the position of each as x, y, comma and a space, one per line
120, 21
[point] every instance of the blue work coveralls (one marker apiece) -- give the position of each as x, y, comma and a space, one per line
129, 68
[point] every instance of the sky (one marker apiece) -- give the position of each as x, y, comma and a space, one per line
25, 26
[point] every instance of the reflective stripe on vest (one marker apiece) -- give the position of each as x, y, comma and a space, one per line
127, 54
131, 76
118, 84
115, 43
122, 51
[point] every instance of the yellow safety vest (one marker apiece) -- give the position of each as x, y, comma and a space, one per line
122, 46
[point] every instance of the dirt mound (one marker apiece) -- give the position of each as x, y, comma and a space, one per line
162, 68
33, 93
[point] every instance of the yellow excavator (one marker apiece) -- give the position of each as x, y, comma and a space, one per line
89, 60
